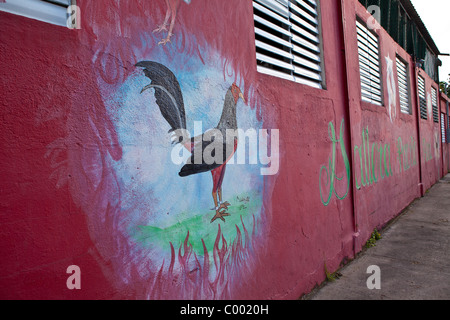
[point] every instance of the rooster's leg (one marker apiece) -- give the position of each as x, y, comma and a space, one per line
220, 207
163, 27
223, 205
219, 214
174, 10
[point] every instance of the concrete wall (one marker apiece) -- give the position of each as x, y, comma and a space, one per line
445, 146
87, 177
385, 141
430, 143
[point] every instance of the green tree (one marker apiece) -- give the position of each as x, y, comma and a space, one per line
442, 85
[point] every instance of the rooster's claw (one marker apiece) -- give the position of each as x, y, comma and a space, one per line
220, 215
161, 28
166, 40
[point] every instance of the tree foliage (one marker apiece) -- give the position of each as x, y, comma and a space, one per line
442, 86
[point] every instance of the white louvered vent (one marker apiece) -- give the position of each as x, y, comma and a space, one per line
403, 86
288, 40
422, 98
443, 134
50, 11
434, 102
369, 65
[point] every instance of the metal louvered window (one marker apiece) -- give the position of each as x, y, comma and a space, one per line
443, 133
50, 11
369, 65
434, 102
422, 99
403, 86
288, 40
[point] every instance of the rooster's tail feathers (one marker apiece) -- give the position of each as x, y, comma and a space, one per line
167, 93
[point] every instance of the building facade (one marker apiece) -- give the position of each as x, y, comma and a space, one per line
341, 124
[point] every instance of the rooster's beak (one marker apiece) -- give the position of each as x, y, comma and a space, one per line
242, 97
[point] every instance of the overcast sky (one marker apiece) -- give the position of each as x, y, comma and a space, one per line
435, 16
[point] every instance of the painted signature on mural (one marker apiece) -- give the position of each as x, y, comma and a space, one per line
372, 162
406, 152
368, 156
427, 150
331, 169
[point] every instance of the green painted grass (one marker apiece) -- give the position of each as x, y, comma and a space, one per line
200, 227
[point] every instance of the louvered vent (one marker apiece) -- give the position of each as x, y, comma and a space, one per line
434, 102
443, 127
50, 11
63, 3
422, 99
403, 86
369, 65
288, 41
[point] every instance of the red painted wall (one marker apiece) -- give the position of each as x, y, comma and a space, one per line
56, 125
430, 142
445, 147
45, 72
378, 202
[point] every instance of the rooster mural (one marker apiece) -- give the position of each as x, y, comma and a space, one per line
151, 226
171, 13
169, 99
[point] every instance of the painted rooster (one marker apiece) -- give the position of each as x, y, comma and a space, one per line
171, 13
169, 98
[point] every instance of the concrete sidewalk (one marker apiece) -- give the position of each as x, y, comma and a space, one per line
413, 256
